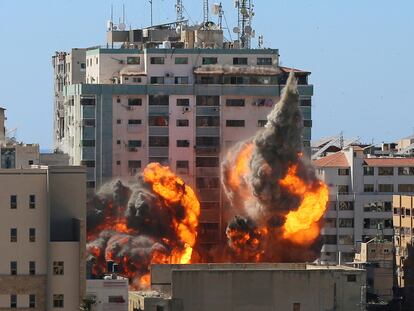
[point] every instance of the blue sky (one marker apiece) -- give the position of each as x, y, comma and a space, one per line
359, 53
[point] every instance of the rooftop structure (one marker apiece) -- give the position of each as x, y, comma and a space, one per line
361, 188
110, 293
42, 238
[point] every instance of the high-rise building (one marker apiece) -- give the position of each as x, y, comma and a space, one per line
360, 202
42, 238
173, 94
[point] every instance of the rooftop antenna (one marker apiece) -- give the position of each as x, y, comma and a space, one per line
218, 10
110, 24
150, 1
122, 25
179, 9
205, 12
245, 16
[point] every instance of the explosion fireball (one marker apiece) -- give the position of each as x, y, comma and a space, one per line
277, 205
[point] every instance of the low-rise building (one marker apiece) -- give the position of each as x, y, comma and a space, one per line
296, 287
403, 219
109, 293
42, 238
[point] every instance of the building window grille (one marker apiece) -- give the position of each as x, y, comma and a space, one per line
240, 61
13, 301
210, 60
13, 267
32, 301
32, 201
368, 171
32, 235
13, 235
134, 102
58, 268
181, 60
264, 61
183, 123
184, 102
13, 201
157, 60
32, 267
58, 301
133, 60
385, 171
235, 123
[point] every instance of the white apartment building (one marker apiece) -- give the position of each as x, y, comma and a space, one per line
110, 293
360, 207
42, 238
163, 97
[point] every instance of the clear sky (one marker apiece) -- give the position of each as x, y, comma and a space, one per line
360, 53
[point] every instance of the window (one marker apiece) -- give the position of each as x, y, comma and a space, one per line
118, 142
88, 163
208, 182
181, 60
88, 143
209, 60
157, 60
58, 268
32, 201
346, 223
118, 121
264, 61
236, 80
207, 121
305, 102
132, 144
158, 100
329, 239
31, 162
90, 184
406, 188
32, 301
157, 80
185, 102
13, 201
87, 101
133, 60
385, 171
343, 171
32, 267
136, 80
261, 123
58, 301
97, 61
207, 162
235, 102
181, 80
368, 188
387, 206
208, 101
133, 167
207, 141
235, 123
346, 239
13, 267
134, 102
118, 162
239, 61
343, 189
307, 123
368, 171
406, 171
330, 223
183, 165
158, 121
385, 188
183, 143
183, 123
83, 66
89, 122
296, 306
13, 301
346, 205
158, 141
116, 299
13, 235
32, 235
134, 122
351, 278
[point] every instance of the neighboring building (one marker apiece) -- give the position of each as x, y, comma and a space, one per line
361, 189
161, 97
218, 287
403, 207
406, 146
111, 293
152, 301
52, 159
377, 258
42, 238
14, 154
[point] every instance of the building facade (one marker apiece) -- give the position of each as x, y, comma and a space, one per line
360, 207
42, 238
403, 210
110, 293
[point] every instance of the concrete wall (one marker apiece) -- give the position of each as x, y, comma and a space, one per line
267, 290
101, 290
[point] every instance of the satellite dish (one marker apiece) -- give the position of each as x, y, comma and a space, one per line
216, 9
248, 30
122, 26
236, 30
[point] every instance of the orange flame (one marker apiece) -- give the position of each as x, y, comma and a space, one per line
302, 225
174, 190
241, 166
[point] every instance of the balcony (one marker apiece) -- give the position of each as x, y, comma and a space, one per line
158, 152
207, 172
158, 131
208, 111
208, 131
88, 133
207, 151
158, 110
208, 194
135, 128
88, 112
88, 153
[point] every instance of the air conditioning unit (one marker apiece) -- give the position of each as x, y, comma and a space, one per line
186, 109
169, 75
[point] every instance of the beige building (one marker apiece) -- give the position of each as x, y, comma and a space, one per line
377, 257
258, 287
403, 209
42, 238
110, 293
360, 200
